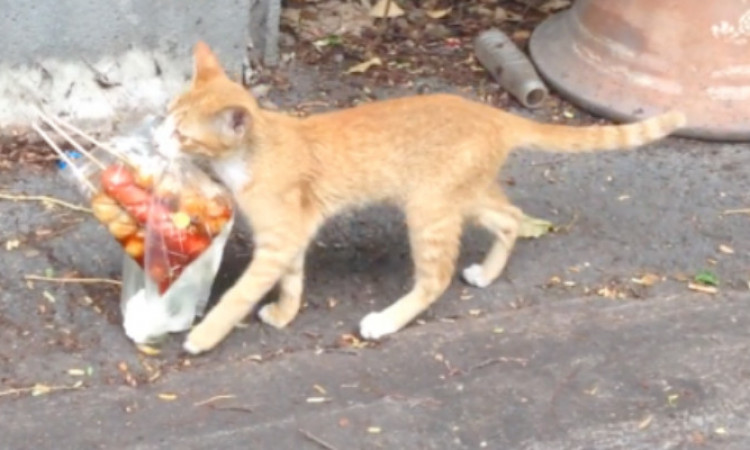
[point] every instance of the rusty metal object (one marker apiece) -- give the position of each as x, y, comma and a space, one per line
510, 67
627, 59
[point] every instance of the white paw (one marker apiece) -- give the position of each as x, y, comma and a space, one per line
376, 325
267, 317
474, 275
191, 348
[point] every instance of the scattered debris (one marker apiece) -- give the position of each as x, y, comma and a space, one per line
374, 430
148, 350
50, 298
703, 288
12, 244
40, 389
47, 201
386, 9
730, 212
646, 422
364, 66
554, 5
726, 249
648, 279
531, 227
167, 397
317, 440
439, 13
706, 278
73, 280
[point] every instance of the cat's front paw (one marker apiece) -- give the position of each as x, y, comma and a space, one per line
474, 276
376, 325
198, 341
271, 314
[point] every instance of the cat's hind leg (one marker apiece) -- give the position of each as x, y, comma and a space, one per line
435, 238
502, 219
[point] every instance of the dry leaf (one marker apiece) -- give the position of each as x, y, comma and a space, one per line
167, 397
364, 66
726, 249
12, 244
554, 5
379, 9
148, 350
439, 13
531, 227
703, 288
648, 279
40, 389
646, 422
521, 35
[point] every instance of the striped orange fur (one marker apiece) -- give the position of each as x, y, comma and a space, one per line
435, 156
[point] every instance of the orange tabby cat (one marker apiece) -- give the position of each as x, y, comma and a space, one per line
435, 156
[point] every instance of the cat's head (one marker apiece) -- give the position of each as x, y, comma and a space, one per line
213, 117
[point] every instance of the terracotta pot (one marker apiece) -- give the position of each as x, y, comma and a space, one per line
626, 59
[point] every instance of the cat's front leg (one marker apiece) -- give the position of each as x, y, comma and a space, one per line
269, 264
280, 313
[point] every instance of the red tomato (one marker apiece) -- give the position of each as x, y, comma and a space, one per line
116, 176
195, 245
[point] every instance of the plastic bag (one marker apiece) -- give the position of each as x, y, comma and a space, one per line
173, 223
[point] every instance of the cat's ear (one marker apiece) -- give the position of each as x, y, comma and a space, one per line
233, 123
205, 63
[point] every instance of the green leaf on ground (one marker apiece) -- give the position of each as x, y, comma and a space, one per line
532, 227
707, 278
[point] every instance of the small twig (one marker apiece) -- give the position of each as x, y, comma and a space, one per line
491, 361
317, 440
73, 280
42, 389
81, 177
213, 399
729, 212
244, 409
566, 228
44, 199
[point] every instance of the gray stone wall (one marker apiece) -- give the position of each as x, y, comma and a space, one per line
100, 61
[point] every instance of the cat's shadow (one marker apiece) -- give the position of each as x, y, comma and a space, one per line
368, 247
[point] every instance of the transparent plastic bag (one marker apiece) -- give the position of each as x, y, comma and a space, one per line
173, 223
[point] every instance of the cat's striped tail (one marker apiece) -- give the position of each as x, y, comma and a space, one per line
584, 139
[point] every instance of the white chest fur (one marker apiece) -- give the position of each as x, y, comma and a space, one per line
233, 172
